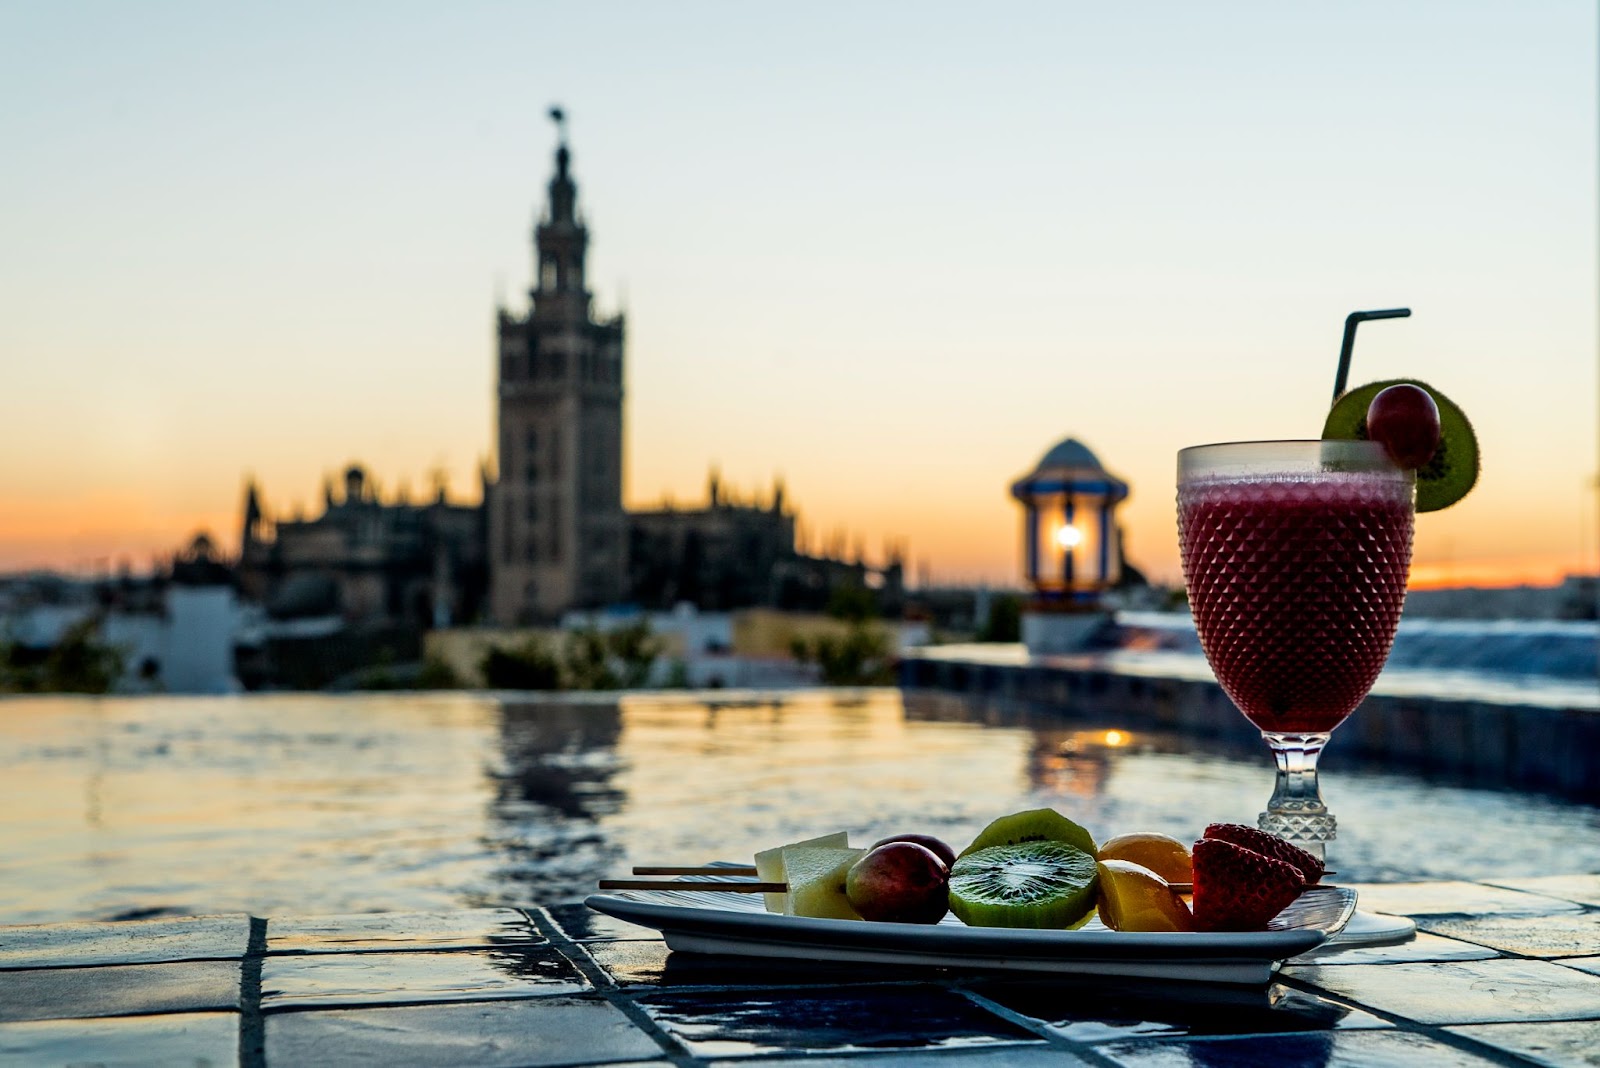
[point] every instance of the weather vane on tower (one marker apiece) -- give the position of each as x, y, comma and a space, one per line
559, 117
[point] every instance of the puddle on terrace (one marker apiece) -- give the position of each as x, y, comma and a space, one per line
307, 804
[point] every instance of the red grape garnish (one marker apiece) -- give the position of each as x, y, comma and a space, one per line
1406, 421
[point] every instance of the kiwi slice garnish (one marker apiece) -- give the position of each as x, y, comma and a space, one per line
1041, 885
1452, 471
1034, 825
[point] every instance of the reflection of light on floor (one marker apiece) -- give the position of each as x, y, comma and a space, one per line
1075, 763
1087, 741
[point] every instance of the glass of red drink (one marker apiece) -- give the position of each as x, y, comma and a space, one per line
1295, 554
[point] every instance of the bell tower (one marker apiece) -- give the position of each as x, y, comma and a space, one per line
557, 533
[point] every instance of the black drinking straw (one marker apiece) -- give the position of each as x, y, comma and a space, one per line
1351, 321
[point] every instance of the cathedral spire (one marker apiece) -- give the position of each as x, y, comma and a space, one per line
563, 190
254, 517
558, 534
561, 240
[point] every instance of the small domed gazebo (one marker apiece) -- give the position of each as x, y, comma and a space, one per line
1071, 550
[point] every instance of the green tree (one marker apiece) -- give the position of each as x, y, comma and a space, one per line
78, 663
677, 676
584, 659
853, 604
437, 674
621, 658
635, 649
1005, 620
861, 656
19, 672
587, 661
529, 666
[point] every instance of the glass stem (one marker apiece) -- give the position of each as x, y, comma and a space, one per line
1296, 811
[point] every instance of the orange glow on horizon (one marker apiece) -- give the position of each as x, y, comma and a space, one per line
98, 530
1521, 571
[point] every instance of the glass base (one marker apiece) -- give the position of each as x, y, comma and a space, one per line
1374, 928
1296, 812
1310, 831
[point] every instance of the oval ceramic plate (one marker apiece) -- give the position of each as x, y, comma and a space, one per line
708, 922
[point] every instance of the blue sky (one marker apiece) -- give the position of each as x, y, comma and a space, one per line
891, 251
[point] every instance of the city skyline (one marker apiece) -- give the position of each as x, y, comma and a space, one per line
893, 269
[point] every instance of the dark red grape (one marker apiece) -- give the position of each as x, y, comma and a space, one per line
1405, 421
926, 841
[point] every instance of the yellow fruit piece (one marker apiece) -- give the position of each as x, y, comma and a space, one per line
1161, 853
1137, 899
769, 864
816, 877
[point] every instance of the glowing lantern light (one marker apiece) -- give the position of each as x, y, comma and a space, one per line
1072, 551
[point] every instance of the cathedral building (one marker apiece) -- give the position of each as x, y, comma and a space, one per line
551, 535
559, 539
365, 560
558, 536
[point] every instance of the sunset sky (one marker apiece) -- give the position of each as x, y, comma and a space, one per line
891, 252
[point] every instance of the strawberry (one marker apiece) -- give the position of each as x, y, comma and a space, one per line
1270, 845
1236, 889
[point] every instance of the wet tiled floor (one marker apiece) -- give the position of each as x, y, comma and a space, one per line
1502, 974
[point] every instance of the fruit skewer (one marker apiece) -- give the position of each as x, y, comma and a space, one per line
694, 884
747, 888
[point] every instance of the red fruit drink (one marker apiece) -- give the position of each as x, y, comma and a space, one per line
1296, 584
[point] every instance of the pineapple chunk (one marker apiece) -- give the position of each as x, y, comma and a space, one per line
769, 864
816, 882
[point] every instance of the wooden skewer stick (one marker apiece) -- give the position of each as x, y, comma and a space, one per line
710, 869
1188, 888
694, 884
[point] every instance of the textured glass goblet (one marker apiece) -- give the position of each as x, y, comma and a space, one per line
1295, 554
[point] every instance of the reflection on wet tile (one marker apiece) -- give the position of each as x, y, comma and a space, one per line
126, 942
579, 922
186, 1041
1421, 947
1581, 888
292, 982
837, 1020
465, 929
1089, 1011
1561, 1044
1449, 899
652, 963
1344, 1049
1485, 991
494, 1034
1561, 935
120, 990
1038, 1056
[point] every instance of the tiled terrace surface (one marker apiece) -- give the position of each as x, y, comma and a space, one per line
1503, 974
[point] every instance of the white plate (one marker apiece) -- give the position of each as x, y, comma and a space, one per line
698, 921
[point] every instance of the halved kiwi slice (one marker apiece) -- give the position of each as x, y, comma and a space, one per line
1041, 885
1034, 825
1453, 470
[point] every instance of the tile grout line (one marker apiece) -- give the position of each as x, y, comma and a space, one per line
1053, 1038
1406, 1025
1513, 954
252, 1029
1536, 893
607, 989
